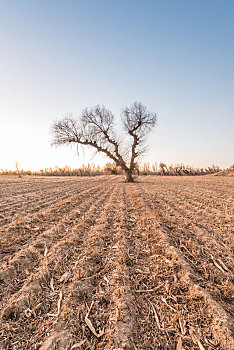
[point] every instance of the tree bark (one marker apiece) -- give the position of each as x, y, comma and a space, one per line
129, 177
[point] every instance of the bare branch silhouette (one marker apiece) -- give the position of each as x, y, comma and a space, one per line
95, 128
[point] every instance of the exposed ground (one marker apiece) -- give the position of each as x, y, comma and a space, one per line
95, 263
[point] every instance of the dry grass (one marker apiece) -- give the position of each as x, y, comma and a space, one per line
226, 172
100, 264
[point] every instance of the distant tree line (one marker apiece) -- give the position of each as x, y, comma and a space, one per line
84, 170
161, 169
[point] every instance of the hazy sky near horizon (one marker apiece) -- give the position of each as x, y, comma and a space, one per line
176, 57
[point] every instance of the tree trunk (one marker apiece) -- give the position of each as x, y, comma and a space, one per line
129, 177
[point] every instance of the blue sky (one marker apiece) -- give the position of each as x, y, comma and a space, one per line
176, 57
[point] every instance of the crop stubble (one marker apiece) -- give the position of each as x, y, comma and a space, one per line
95, 263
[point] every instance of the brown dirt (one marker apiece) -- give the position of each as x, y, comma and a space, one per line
95, 263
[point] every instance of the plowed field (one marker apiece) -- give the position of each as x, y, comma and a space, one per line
95, 263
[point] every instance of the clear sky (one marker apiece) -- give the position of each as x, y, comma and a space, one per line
176, 57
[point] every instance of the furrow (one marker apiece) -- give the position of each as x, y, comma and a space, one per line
26, 260
203, 254
36, 294
204, 315
43, 199
27, 229
210, 233
89, 287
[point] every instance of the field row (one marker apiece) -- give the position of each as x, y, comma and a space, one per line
111, 265
35, 194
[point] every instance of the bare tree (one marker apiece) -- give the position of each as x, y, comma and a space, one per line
163, 167
95, 128
17, 168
